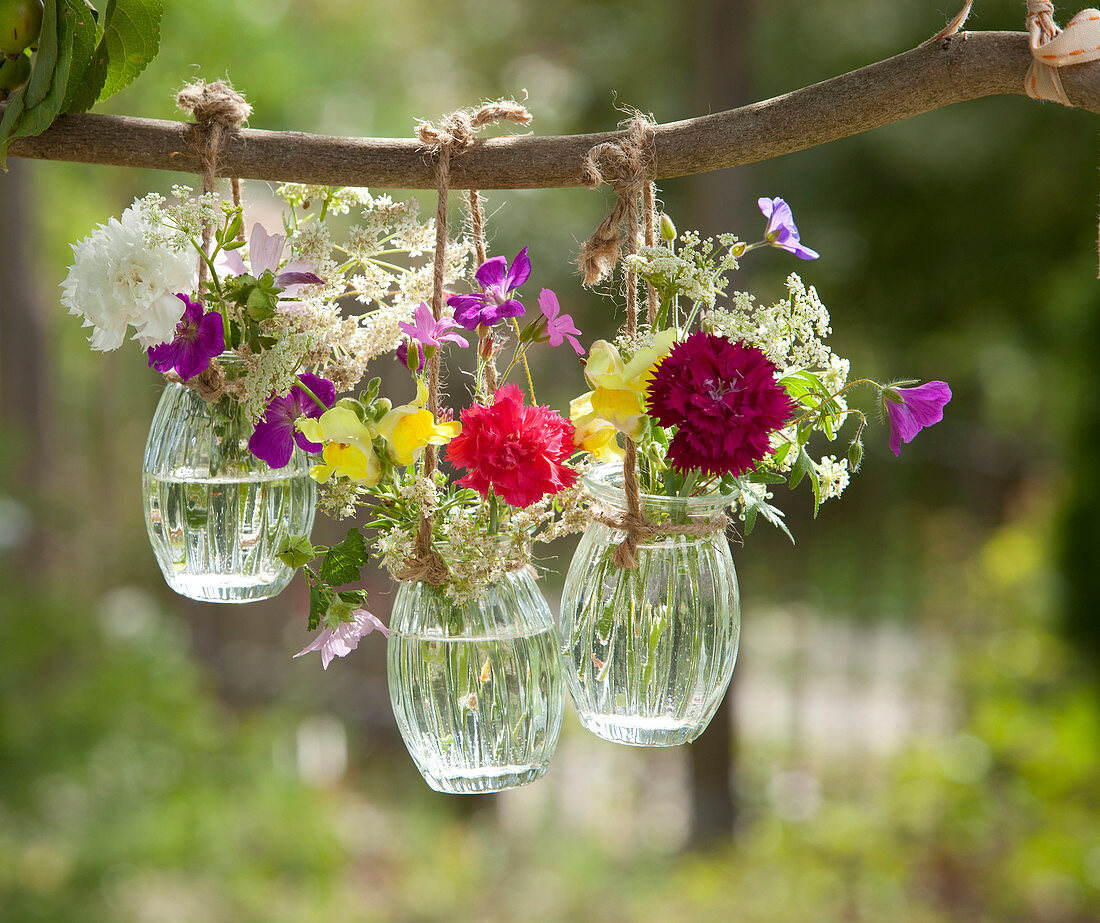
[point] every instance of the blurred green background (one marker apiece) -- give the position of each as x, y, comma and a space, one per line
912, 731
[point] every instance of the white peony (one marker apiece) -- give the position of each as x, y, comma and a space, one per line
119, 278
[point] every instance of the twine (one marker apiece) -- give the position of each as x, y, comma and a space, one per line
211, 385
628, 165
455, 133
624, 556
218, 109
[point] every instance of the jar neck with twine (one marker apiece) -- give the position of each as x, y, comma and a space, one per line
219, 111
627, 166
455, 134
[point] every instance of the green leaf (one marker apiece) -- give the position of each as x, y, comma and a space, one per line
801, 466
343, 563
295, 550
131, 40
89, 69
320, 598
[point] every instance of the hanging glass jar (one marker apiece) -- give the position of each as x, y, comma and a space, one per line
214, 512
477, 689
649, 651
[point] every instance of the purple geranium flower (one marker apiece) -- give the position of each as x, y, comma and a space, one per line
264, 252
275, 434
345, 638
498, 280
912, 409
781, 231
199, 338
559, 327
432, 332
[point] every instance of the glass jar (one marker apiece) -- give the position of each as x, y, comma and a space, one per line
214, 512
649, 652
477, 689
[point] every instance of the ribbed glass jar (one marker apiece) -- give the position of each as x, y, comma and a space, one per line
477, 690
214, 512
649, 652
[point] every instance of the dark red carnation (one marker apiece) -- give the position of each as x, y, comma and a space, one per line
518, 451
724, 400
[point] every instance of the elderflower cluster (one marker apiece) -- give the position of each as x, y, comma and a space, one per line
791, 332
832, 475
694, 270
176, 225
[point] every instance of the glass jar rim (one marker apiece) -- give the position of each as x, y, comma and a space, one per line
605, 483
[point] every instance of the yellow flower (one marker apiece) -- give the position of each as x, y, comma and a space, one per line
349, 447
618, 394
410, 427
592, 432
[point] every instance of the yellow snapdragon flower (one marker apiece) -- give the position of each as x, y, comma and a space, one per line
411, 427
592, 432
348, 447
618, 388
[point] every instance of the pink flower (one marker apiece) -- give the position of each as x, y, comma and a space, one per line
559, 327
345, 638
517, 451
723, 398
912, 409
432, 332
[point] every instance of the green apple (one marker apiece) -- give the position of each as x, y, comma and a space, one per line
14, 73
20, 25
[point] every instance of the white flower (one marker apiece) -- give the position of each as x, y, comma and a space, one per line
121, 276
832, 475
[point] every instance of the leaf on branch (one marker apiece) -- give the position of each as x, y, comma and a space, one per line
131, 40
320, 598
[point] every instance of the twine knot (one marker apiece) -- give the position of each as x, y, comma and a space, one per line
211, 384
627, 166
214, 103
455, 133
457, 130
639, 529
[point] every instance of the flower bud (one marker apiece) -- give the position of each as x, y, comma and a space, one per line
668, 229
738, 249
855, 455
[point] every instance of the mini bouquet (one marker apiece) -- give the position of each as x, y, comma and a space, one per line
252, 334
710, 406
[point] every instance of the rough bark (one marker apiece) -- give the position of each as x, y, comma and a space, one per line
967, 66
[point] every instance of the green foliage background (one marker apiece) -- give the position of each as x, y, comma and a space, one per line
138, 782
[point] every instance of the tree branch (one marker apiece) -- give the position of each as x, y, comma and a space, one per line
966, 66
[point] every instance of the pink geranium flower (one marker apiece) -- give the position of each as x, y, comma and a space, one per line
559, 327
912, 409
345, 638
517, 451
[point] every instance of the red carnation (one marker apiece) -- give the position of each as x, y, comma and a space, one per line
517, 451
724, 400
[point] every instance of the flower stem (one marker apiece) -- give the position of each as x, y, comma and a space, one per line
526, 368
309, 391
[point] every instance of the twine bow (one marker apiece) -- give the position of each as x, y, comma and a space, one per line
456, 132
1051, 47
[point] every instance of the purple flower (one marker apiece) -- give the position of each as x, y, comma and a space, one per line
275, 434
432, 332
345, 638
199, 338
498, 281
559, 327
912, 409
781, 231
264, 252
